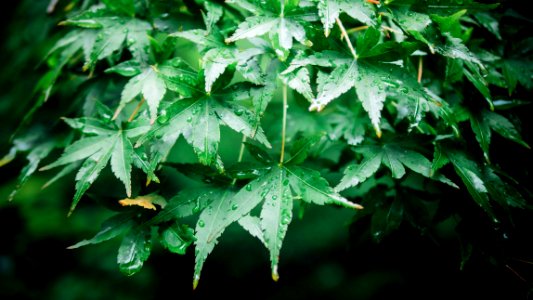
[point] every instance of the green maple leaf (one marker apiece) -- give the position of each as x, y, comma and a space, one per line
153, 82
199, 120
134, 250
277, 188
112, 33
36, 150
373, 82
282, 20
393, 156
329, 11
217, 56
109, 144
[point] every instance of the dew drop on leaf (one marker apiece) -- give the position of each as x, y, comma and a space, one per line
239, 111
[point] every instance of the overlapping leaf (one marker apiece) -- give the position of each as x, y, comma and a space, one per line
281, 20
393, 156
109, 144
199, 120
113, 32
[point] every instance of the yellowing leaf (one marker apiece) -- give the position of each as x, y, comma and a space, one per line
145, 201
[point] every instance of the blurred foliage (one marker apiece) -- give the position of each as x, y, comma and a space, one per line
441, 163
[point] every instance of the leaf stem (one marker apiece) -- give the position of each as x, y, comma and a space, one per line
283, 125
241, 151
241, 154
136, 110
345, 34
356, 29
420, 69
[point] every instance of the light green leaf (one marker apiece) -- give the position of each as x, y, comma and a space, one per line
252, 27
214, 13
276, 216
301, 147
34, 157
151, 86
200, 37
337, 83
312, 188
90, 126
121, 161
300, 81
253, 226
328, 12
226, 208
355, 174
215, 62
89, 171
371, 91
82, 149
199, 121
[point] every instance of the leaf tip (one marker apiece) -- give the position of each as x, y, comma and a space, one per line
275, 274
117, 112
195, 282
378, 132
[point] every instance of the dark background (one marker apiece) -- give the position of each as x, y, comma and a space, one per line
324, 255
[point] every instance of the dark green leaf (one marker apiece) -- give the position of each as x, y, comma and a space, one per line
134, 250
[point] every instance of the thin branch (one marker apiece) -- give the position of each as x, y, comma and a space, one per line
283, 125
516, 273
420, 69
356, 29
345, 34
136, 110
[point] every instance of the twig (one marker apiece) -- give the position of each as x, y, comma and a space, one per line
345, 34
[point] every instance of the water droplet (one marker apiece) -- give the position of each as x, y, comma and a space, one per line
201, 223
163, 118
189, 119
274, 197
286, 182
234, 207
248, 187
238, 111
